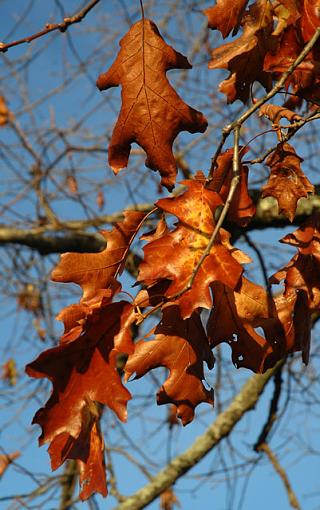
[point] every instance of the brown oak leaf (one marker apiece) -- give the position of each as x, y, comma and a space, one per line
226, 15
242, 207
244, 56
168, 500
302, 273
5, 114
276, 113
296, 320
83, 372
182, 347
310, 19
287, 13
234, 319
287, 48
95, 272
152, 113
287, 182
174, 255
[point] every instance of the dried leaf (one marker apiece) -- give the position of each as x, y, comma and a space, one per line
5, 114
83, 372
275, 113
172, 419
244, 56
310, 19
182, 347
29, 298
152, 113
100, 200
168, 500
287, 182
287, 13
234, 319
72, 184
242, 207
9, 372
302, 273
226, 15
174, 255
95, 272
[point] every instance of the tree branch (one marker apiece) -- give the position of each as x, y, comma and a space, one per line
46, 242
50, 27
72, 235
283, 475
244, 401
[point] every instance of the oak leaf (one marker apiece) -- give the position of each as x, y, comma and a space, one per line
226, 15
5, 114
95, 272
287, 182
244, 56
310, 19
296, 320
152, 113
174, 255
287, 14
276, 113
168, 500
242, 207
302, 273
287, 48
182, 347
234, 318
83, 372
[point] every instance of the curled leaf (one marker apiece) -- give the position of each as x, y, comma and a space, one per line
152, 113
182, 347
287, 182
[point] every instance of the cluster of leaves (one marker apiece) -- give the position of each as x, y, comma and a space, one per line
191, 266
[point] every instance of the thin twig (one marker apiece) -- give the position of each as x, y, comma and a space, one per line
50, 27
283, 475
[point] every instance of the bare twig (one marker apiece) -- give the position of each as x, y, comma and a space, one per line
50, 27
283, 475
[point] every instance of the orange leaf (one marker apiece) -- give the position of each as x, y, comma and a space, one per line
233, 319
152, 113
303, 270
95, 272
5, 114
226, 15
244, 56
174, 255
168, 500
275, 113
242, 207
287, 182
182, 347
310, 19
83, 372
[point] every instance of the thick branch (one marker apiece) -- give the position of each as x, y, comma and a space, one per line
71, 235
222, 427
49, 242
